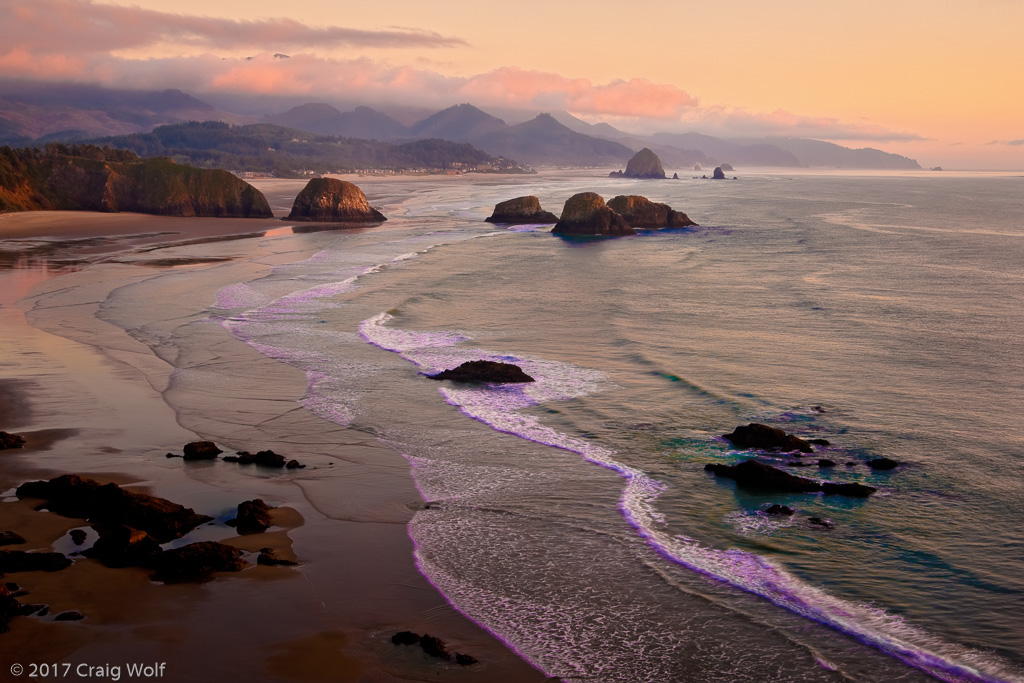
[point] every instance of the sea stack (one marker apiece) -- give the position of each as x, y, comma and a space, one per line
718, 174
521, 210
586, 214
644, 164
329, 200
641, 212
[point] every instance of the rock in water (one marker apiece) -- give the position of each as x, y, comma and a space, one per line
641, 212
755, 476
11, 441
718, 174
883, 464
521, 210
726, 167
253, 517
766, 438
485, 371
644, 164
329, 200
586, 214
202, 450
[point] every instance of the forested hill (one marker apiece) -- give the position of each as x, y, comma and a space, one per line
287, 152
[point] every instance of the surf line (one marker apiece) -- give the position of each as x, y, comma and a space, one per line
746, 571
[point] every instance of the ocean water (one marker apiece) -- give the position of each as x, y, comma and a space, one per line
572, 517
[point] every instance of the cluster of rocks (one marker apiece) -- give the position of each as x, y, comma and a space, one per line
433, 646
11, 441
484, 371
11, 607
329, 200
207, 450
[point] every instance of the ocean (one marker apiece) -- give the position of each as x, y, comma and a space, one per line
573, 518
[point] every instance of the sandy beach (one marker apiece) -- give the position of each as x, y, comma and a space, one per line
95, 399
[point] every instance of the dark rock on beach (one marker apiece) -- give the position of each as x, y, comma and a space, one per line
766, 438
640, 212
123, 546
253, 517
22, 561
197, 561
485, 371
465, 660
69, 616
267, 458
405, 638
519, 211
202, 450
78, 536
73, 496
754, 476
644, 164
882, 464
10, 538
268, 558
586, 214
329, 200
434, 646
11, 441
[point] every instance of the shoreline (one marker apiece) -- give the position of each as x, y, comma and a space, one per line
100, 402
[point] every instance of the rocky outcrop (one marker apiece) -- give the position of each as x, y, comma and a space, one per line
718, 174
485, 371
644, 164
253, 517
586, 214
11, 441
88, 178
755, 476
329, 200
766, 438
519, 211
73, 496
640, 212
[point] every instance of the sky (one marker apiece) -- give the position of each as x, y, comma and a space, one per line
941, 81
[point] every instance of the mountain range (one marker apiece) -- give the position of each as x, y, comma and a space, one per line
33, 113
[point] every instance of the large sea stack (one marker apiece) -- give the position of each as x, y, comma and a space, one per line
329, 200
519, 211
641, 212
586, 214
644, 164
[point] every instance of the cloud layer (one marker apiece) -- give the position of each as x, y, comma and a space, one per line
79, 40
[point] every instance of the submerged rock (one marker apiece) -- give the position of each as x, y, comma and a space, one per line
755, 476
586, 214
766, 438
882, 464
11, 441
329, 200
778, 510
641, 212
644, 164
485, 371
818, 521
73, 496
521, 210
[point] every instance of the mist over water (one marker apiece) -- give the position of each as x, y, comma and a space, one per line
573, 518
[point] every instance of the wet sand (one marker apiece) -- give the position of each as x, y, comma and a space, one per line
96, 401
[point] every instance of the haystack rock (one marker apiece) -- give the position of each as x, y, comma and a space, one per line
644, 164
718, 174
726, 167
586, 214
329, 200
640, 212
521, 210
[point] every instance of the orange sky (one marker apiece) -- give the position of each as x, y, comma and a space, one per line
938, 80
